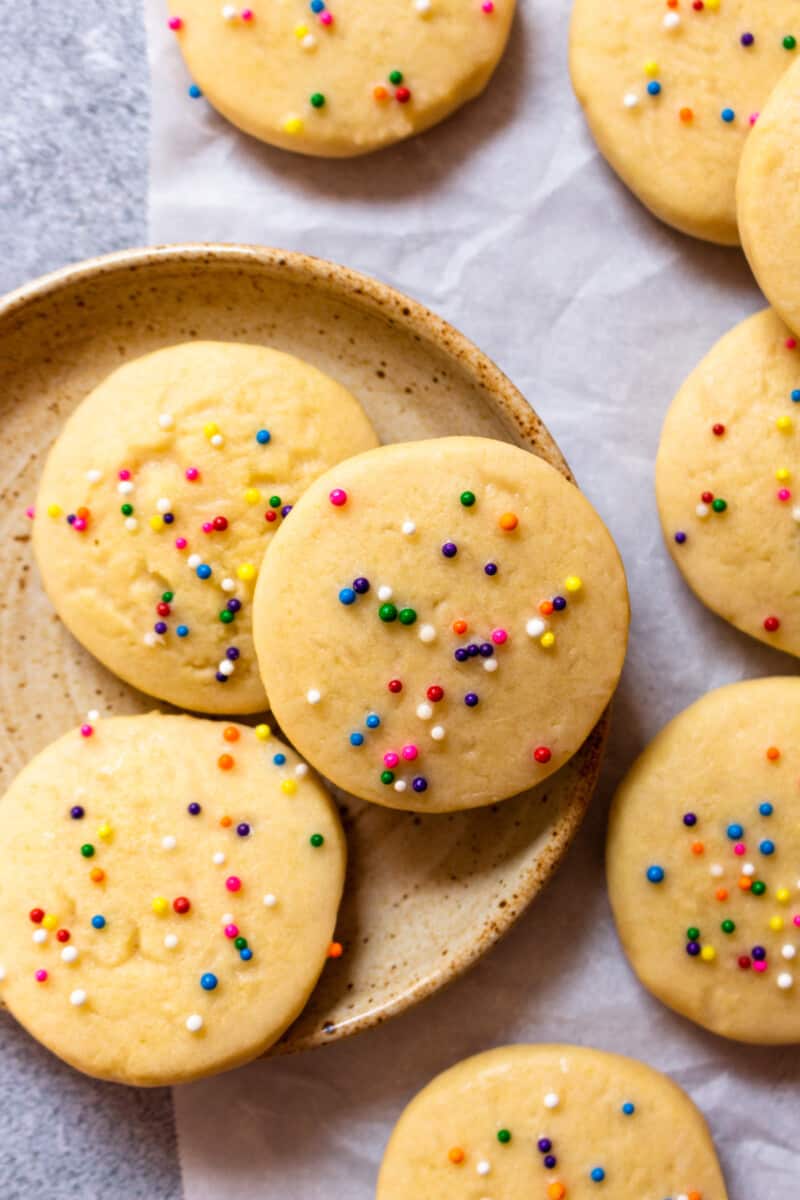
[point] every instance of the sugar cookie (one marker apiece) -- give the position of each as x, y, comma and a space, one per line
157, 501
727, 480
339, 77
441, 623
704, 862
168, 893
549, 1122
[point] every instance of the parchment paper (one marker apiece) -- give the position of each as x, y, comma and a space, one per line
507, 222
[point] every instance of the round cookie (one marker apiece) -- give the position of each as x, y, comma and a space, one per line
168, 893
768, 200
441, 623
704, 862
726, 480
158, 500
338, 77
527, 1122
670, 91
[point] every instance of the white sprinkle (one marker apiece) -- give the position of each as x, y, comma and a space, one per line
424, 712
229, 12
551, 1100
151, 638
226, 667
785, 980
796, 513
171, 941
385, 592
400, 785
218, 858
166, 420
94, 476
630, 99
437, 733
227, 919
163, 504
77, 997
69, 954
301, 770
716, 871
748, 869
217, 440
313, 696
490, 664
483, 1167
702, 511
169, 842
535, 627
672, 20
194, 1023
427, 633
93, 715
40, 936
408, 528
2, 973
228, 585
269, 900
789, 952
125, 487
131, 524
308, 42
193, 561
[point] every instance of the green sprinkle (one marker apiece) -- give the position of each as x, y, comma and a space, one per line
316, 839
692, 933
758, 888
397, 76
240, 943
504, 1136
167, 597
126, 510
274, 501
407, 616
789, 42
719, 505
226, 616
387, 777
87, 850
728, 926
468, 499
387, 612
317, 100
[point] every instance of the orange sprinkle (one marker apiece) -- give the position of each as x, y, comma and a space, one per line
695, 1196
231, 733
556, 1191
97, 874
460, 626
672, 3
546, 607
226, 822
456, 1155
721, 893
508, 521
745, 884
773, 754
225, 762
698, 848
82, 512
335, 950
380, 92
686, 115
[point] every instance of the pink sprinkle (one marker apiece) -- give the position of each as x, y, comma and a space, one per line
30, 512
784, 494
488, 6
233, 883
208, 527
499, 637
192, 474
231, 931
87, 730
175, 23
391, 759
410, 753
41, 976
791, 343
326, 18
180, 543
338, 496
740, 848
797, 919
754, 117
79, 524
759, 965
247, 14
124, 473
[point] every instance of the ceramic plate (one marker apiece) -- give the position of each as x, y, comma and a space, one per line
426, 896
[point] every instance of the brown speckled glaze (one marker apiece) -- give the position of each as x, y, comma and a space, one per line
426, 896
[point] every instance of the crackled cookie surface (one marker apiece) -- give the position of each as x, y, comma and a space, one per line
704, 862
441, 623
727, 479
768, 197
168, 894
158, 500
340, 77
671, 90
551, 1123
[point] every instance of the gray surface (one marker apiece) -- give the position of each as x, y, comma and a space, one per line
73, 130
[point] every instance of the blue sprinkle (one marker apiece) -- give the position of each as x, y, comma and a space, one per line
727, 114
279, 760
734, 832
99, 922
796, 395
356, 739
203, 571
628, 1108
373, 721
767, 847
182, 630
246, 954
317, 6
347, 596
655, 874
208, 982
194, 91
263, 437
654, 87
765, 809
598, 1175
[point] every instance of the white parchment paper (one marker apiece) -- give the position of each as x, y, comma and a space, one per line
507, 222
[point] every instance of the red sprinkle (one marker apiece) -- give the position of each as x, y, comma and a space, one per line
542, 754
395, 685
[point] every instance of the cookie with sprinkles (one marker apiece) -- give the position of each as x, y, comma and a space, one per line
728, 480
340, 77
168, 895
671, 89
159, 498
768, 201
550, 1123
441, 623
704, 862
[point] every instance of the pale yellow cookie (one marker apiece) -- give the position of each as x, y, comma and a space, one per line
728, 480
704, 862
550, 1123
441, 623
768, 196
670, 91
340, 77
168, 893
158, 500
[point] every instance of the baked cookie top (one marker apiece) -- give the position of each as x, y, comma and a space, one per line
704, 862
441, 623
671, 90
340, 77
727, 476
168, 894
157, 501
550, 1123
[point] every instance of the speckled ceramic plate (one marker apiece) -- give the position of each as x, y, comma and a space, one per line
426, 896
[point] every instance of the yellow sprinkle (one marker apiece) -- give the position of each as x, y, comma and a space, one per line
289, 786
712, 4
293, 125
783, 895
210, 429
49, 921
300, 31
252, 495
547, 640
573, 583
651, 67
784, 424
776, 924
104, 831
54, 510
246, 571
783, 475
157, 523
160, 905
708, 954
263, 733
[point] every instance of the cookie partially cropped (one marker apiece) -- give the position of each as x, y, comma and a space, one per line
338, 78
769, 200
441, 623
550, 1122
671, 90
168, 893
727, 480
159, 497
704, 862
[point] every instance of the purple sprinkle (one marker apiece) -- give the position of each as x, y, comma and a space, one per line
693, 948
287, 508
747, 39
449, 549
759, 953
234, 605
461, 654
550, 1161
470, 699
490, 568
77, 812
361, 586
680, 537
160, 627
220, 678
544, 1144
689, 819
486, 650
243, 829
420, 784
472, 650
559, 603
194, 808
71, 519
169, 518
232, 653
